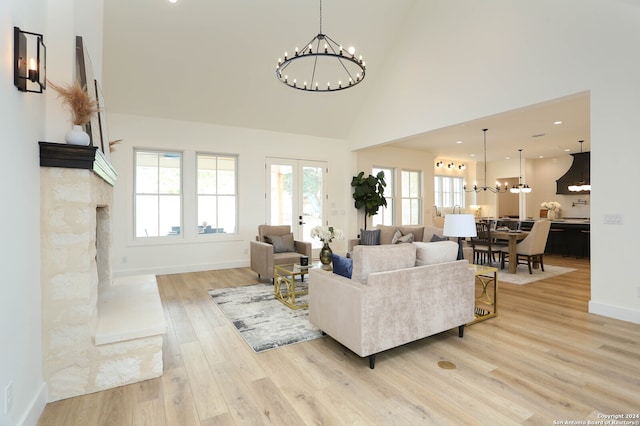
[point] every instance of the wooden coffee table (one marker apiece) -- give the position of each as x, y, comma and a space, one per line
284, 284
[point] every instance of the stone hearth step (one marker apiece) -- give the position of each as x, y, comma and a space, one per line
129, 309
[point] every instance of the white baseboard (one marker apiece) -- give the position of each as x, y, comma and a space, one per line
616, 312
35, 408
180, 269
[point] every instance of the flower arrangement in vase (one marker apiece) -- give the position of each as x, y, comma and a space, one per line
326, 234
553, 209
82, 107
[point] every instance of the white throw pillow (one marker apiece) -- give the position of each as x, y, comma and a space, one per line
436, 252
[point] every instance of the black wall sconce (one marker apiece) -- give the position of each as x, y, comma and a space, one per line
29, 71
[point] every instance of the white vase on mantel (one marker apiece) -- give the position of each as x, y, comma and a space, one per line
551, 214
77, 136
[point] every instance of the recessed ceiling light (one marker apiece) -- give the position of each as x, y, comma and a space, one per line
173, 1
507, 158
567, 150
557, 122
458, 141
472, 155
541, 156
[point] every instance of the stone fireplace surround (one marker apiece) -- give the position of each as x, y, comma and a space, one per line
97, 332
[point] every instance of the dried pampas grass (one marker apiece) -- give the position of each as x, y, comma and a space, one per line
112, 145
76, 97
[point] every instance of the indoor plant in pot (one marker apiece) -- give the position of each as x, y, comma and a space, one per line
368, 193
82, 107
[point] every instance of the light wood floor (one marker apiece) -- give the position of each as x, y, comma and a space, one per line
544, 358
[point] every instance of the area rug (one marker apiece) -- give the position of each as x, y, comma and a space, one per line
524, 277
264, 322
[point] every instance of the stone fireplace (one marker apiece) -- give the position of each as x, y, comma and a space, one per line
97, 332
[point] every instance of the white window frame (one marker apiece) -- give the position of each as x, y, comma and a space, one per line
158, 194
405, 197
235, 194
452, 193
386, 215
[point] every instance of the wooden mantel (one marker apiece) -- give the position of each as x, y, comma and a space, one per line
77, 157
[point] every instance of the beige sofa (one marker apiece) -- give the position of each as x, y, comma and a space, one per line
420, 233
389, 301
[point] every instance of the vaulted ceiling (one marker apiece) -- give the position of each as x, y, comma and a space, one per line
214, 61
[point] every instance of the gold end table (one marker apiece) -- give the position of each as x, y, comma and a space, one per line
284, 284
487, 302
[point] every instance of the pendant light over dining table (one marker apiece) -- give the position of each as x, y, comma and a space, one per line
321, 65
476, 188
520, 187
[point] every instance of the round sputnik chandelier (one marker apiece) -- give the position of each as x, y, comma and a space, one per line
322, 65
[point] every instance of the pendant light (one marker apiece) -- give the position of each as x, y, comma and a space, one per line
476, 188
521, 187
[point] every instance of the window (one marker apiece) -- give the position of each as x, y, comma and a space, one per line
385, 214
449, 191
158, 195
217, 193
411, 198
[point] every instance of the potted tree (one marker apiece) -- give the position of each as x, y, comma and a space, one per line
368, 193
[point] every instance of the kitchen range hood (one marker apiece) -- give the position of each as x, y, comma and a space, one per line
578, 172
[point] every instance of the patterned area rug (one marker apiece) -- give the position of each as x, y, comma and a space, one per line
522, 276
264, 322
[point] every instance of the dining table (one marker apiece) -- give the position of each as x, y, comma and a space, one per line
513, 237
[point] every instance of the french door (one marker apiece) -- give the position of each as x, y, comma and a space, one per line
295, 195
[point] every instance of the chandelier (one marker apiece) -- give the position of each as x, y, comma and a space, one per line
321, 66
581, 185
495, 189
520, 187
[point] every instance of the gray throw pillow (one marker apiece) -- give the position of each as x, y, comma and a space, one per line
405, 238
370, 237
281, 243
398, 238
438, 238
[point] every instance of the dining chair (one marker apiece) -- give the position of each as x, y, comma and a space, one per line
484, 245
531, 247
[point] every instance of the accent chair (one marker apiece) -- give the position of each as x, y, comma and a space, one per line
274, 245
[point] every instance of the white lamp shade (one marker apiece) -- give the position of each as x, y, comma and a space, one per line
459, 225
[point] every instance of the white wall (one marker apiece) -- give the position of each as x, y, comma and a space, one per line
205, 252
21, 126
23, 122
475, 59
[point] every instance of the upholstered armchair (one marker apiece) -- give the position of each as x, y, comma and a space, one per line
274, 245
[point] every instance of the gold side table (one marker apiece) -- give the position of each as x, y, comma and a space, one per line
487, 302
284, 284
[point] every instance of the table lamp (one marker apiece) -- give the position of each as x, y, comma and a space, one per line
460, 226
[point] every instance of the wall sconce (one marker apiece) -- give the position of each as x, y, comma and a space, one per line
439, 163
451, 165
28, 71
462, 167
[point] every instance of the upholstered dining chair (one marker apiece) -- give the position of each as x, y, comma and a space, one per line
531, 247
274, 245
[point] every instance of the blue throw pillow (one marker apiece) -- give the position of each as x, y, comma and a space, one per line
342, 265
